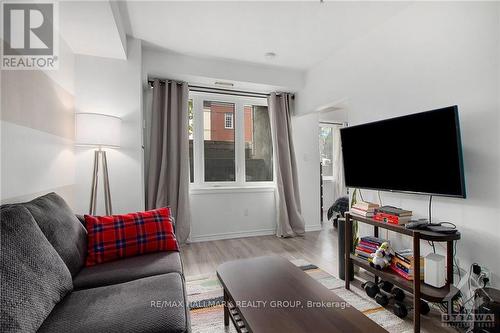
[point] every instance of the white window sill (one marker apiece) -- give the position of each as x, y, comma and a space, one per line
195, 190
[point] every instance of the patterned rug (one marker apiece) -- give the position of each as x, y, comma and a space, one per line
205, 297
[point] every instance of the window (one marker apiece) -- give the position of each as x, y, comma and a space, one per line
230, 140
228, 120
258, 144
219, 148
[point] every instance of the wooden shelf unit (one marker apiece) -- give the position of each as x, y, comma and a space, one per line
419, 289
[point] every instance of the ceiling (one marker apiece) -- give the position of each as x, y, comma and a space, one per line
300, 33
102, 38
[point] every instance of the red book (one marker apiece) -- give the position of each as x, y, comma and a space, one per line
369, 248
392, 219
370, 243
363, 250
395, 269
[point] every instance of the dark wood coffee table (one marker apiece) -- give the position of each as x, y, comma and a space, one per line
270, 294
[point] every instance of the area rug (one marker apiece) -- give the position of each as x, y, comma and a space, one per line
207, 313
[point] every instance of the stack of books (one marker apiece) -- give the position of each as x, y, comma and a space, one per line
366, 246
402, 264
392, 215
366, 209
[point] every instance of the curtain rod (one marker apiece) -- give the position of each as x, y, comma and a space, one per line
220, 90
228, 91
332, 123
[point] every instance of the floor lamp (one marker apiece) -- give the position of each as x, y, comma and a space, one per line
101, 131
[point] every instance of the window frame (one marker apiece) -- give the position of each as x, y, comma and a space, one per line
239, 141
231, 120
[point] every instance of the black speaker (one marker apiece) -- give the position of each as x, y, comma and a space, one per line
341, 244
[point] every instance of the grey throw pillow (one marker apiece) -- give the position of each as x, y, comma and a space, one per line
62, 228
33, 277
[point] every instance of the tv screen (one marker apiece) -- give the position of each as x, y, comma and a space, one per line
418, 153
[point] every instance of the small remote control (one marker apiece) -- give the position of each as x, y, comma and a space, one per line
417, 224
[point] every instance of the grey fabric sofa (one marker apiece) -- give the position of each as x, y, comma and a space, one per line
137, 294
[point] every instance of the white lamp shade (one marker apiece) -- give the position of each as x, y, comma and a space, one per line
95, 129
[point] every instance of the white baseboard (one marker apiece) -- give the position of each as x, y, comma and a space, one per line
233, 234
241, 234
314, 227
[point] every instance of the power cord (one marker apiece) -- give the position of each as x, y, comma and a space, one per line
447, 223
380, 203
470, 275
455, 260
430, 209
431, 243
471, 295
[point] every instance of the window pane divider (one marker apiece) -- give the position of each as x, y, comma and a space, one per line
198, 137
240, 143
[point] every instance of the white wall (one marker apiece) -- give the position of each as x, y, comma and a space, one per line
113, 86
428, 56
221, 213
229, 213
306, 142
198, 70
37, 131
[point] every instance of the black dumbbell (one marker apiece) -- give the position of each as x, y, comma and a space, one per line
386, 286
395, 293
370, 288
401, 310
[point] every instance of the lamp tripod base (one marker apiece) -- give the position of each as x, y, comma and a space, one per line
100, 158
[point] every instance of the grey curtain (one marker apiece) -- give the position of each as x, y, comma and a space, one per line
289, 220
167, 174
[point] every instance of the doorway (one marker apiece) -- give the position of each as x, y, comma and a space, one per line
332, 185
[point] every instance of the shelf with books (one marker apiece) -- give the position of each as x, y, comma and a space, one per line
424, 234
428, 293
366, 246
416, 287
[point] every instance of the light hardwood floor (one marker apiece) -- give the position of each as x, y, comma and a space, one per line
319, 248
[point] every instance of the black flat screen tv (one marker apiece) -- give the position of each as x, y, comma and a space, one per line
417, 153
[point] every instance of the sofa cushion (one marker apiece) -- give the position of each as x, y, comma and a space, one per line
34, 277
128, 269
124, 308
120, 236
62, 229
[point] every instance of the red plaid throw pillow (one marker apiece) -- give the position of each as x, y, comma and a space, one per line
119, 236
